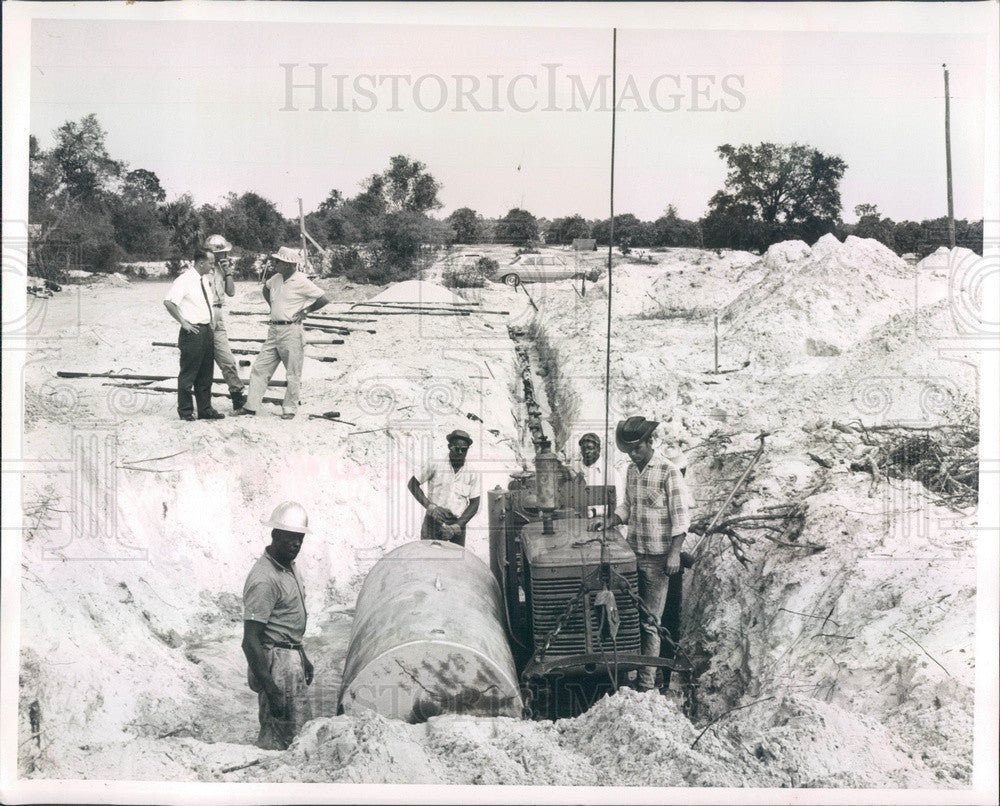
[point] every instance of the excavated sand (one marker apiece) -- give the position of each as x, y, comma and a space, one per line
862, 653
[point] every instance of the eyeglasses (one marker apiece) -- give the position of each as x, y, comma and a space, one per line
459, 449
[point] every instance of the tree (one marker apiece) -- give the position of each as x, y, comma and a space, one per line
181, 220
629, 231
87, 170
872, 225
387, 221
405, 186
671, 230
465, 222
565, 230
790, 191
732, 224
518, 227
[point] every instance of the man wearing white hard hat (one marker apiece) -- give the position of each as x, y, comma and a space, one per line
292, 296
224, 286
274, 621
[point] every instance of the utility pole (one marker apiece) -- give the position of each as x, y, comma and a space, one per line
947, 151
302, 236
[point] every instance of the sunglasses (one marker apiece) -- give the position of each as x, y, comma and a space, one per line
459, 448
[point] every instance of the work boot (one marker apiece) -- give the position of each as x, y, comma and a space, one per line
211, 414
188, 418
242, 411
239, 399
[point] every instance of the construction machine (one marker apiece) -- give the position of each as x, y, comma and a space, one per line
569, 595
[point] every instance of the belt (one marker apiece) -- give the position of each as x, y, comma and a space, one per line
285, 645
282, 322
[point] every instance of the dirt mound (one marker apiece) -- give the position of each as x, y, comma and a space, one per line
417, 291
832, 295
899, 373
628, 739
947, 260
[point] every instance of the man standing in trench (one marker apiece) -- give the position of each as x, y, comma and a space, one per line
656, 509
292, 296
451, 487
274, 620
223, 285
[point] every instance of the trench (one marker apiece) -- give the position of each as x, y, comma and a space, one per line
551, 408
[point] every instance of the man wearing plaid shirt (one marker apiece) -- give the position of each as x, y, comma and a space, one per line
655, 507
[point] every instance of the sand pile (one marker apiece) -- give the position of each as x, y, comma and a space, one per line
628, 739
898, 373
816, 302
682, 283
946, 260
416, 291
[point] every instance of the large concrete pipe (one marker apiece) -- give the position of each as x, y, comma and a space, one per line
428, 638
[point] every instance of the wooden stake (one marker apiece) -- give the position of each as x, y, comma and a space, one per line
717, 344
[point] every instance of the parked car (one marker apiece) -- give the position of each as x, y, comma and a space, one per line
538, 269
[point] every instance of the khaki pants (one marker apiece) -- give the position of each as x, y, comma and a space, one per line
289, 675
285, 344
224, 358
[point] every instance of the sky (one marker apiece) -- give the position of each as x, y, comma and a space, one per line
207, 107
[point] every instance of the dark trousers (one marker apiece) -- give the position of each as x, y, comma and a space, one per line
431, 530
197, 363
671, 619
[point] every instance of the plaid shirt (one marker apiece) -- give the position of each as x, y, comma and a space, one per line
655, 506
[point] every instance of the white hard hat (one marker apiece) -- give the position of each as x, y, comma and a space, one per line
217, 243
290, 517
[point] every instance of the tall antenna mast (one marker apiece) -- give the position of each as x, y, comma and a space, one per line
947, 151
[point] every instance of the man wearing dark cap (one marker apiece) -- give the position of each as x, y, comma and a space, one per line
655, 507
589, 467
445, 487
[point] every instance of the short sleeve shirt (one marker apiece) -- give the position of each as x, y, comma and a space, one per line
218, 287
193, 296
447, 488
274, 596
289, 297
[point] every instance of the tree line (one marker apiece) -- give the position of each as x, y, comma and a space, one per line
105, 212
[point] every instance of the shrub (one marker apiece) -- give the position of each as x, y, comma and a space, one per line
246, 266
462, 278
487, 267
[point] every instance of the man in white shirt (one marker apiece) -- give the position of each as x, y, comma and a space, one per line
224, 286
588, 466
452, 492
189, 301
292, 296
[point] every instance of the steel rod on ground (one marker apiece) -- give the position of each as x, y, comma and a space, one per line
132, 377
245, 352
328, 317
314, 341
275, 400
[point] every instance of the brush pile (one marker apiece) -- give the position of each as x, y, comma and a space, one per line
944, 458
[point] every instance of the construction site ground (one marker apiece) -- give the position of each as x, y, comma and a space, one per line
855, 661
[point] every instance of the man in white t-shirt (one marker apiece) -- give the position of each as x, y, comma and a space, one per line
292, 296
449, 491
